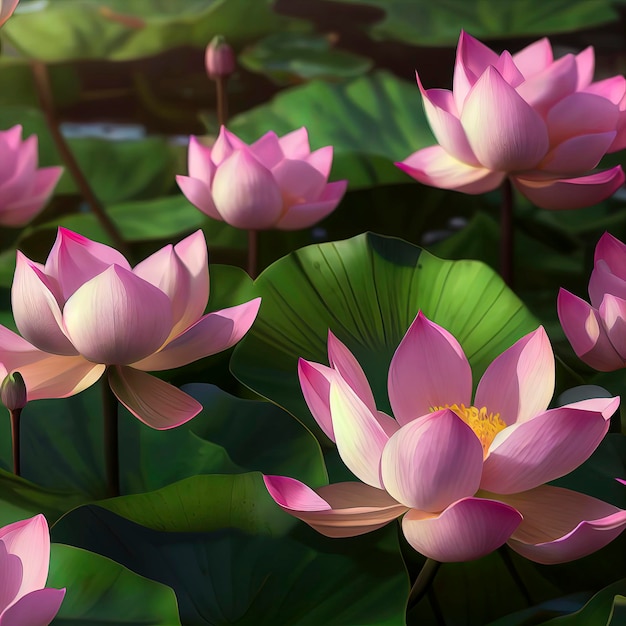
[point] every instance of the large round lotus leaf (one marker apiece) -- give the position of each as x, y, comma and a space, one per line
371, 122
130, 29
368, 290
103, 592
427, 23
252, 565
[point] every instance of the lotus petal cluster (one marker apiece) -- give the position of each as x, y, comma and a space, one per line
597, 331
86, 311
24, 562
542, 122
276, 182
24, 188
466, 475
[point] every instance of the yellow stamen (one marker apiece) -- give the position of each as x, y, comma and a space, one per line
484, 424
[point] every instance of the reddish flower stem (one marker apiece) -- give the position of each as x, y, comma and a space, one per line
222, 99
506, 233
15, 440
110, 439
46, 100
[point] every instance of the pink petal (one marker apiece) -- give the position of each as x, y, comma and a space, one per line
508, 70
585, 331
20, 183
604, 281
519, 383
612, 252
472, 59
245, 192
29, 540
359, 436
117, 318
466, 530
298, 181
182, 273
561, 525
612, 311
36, 310
578, 154
571, 193
151, 400
340, 510
225, 144
544, 89
504, 131
613, 88
199, 162
321, 160
10, 577
6, 10
542, 449
428, 371
581, 114
435, 167
267, 150
534, 58
38, 608
432, 462
345, 363
295, 145
585, 65
199, 194
315, 383
305, 215
74, 260
444, 121
212, 333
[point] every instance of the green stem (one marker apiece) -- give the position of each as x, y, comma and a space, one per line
46, 100
222, 99
510, 566
506, 233
15, 440
111, 439
423, 582
253, 253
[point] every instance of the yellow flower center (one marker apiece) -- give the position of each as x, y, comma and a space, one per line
484, 424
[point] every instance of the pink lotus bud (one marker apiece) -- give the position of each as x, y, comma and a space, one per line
276, 182
219, 58
24, 188
540, 122
13, 392
6, 9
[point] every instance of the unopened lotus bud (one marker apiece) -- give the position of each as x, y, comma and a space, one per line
13, 392
219, 58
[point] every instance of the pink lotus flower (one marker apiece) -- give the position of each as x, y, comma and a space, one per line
6, 9
468, 476
273, 183
543, 123
24, 189
24, 561
597, 331
86, 311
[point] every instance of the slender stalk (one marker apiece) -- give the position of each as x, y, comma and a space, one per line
111, 439
15, 440
423, 582
222, 99
506, 233
253, 252
46, 100
515, 575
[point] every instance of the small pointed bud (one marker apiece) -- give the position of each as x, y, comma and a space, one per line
219, 58
13, 392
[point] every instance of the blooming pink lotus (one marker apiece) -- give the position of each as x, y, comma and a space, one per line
467, 476
273, 183
543, 123
24, 561
6, 9
86, 311
597, 331
24, 189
